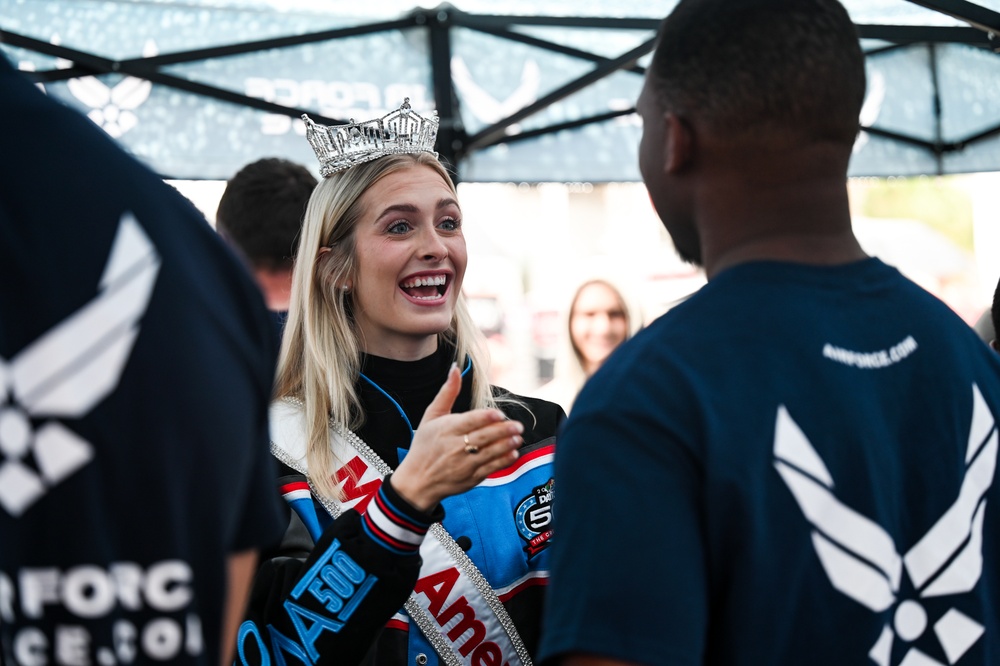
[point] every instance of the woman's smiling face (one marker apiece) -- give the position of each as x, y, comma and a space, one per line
411, 257
598, 323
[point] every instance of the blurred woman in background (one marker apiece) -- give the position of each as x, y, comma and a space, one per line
599, 319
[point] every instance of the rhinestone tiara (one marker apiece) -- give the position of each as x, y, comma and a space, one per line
340, 147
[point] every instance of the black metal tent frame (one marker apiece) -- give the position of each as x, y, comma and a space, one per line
454, 143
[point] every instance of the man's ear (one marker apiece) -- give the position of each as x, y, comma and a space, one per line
680, 143
993, 344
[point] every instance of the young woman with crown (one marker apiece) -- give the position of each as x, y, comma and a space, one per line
420, 495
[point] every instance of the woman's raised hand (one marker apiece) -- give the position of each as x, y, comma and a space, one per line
451, 453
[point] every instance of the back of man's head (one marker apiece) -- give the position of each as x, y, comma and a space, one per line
791, 68
261, 211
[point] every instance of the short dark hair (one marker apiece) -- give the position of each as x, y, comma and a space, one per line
262, 208
744, 66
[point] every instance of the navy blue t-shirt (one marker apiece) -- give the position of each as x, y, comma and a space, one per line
795, 466
136, 361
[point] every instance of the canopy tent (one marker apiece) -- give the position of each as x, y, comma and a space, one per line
542, 92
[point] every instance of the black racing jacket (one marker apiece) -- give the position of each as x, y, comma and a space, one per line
335, 598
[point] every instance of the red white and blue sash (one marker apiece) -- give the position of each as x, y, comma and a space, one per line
452, 602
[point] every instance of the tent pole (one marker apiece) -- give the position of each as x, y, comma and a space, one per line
975, 15
450, 144
938, 139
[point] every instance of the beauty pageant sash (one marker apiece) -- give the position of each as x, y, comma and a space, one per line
452, 602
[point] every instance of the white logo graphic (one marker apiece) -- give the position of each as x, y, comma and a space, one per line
871, 108
112, 108
61, 63
860, 557
483, 105
68, 370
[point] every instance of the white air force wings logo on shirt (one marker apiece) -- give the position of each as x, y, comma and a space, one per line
861, 559
68, 370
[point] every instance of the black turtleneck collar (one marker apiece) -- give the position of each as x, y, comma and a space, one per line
412, 386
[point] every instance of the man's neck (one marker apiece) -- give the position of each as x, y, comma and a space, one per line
791, 206
816, 249
276, 285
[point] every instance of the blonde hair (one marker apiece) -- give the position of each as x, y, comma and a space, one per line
321, 346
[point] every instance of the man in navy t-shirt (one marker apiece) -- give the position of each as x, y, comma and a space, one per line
797, 464
136, 362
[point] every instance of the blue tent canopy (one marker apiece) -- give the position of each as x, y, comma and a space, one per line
542, 92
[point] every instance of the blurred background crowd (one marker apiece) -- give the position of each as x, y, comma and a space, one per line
942, 232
